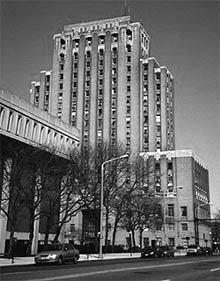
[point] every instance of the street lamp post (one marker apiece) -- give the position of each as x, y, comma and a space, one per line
197, 221
102, 199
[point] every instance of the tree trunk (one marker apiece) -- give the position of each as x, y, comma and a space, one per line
57, 234
133, 238
114, 233
11, 243
140, 237
31, 236
47, 231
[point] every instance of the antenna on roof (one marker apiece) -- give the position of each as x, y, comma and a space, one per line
127, 9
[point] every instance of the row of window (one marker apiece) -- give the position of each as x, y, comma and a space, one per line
113, 136
87, 96
128, 98
46, 93
170, 210
171, 227
100, 94
36, 95
101, 40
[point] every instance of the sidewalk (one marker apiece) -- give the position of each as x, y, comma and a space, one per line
30, 260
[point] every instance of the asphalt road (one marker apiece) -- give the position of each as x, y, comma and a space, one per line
165, 269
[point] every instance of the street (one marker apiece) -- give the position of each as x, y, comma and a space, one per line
177, 269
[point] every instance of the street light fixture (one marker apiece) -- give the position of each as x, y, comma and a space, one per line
101, 200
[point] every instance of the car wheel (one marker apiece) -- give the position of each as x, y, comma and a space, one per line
60, 260
75, 259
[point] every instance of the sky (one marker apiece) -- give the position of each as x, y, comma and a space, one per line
184, 36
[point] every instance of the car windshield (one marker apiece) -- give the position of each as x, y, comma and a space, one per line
54, 247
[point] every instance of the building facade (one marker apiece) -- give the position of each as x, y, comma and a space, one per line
105, 82
183, 185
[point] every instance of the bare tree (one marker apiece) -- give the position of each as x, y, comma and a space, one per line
17, 184
140, 200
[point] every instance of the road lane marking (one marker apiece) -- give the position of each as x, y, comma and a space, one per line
77, 275
215, 269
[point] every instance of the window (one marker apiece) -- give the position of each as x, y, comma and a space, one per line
169, 165
183, 211
114, 37
114, 60
157, 75
171, 242
170, 226
114, 70
129, 34
101, 39
184, 227
171, 210
146, 241
158, 86
128, 48
145, 67
62, 57
128, 58
72, 227
158, 227
89, 41
76, 43
101, 52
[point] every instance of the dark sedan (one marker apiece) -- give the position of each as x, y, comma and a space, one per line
167, 251
153, 252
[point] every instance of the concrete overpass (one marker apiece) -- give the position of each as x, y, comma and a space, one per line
26, 123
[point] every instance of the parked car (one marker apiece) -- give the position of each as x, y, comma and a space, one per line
167, 251
206, 251
58, 253
194, 250
153, 252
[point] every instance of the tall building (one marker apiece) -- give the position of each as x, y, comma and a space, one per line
105, 82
